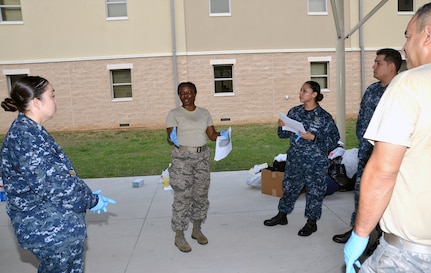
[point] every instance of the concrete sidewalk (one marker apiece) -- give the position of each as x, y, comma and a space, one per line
135, 235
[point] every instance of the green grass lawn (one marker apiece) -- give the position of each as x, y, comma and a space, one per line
129, 152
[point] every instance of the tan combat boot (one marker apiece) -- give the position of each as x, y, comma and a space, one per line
181, 242
197, 233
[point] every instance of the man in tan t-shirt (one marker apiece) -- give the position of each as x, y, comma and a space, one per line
395, 186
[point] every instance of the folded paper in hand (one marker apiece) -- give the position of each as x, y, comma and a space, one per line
223, 146
291, 124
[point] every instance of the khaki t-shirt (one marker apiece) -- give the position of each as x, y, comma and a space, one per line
403, 117
191, 125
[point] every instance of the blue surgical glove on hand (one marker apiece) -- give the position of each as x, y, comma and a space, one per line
353, 249
173, 137
224, 134
102, 203
298, 136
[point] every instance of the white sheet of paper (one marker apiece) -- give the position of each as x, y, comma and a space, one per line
223, 146
291, 125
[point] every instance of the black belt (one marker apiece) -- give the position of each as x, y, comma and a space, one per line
193, 149
399, 242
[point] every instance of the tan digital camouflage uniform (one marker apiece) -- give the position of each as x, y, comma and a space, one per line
189, 176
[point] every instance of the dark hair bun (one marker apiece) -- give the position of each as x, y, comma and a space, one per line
9, 105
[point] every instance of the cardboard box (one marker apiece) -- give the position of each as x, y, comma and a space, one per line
271, 182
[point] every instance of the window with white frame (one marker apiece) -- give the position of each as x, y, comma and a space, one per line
219, 7
223, 76
12, 79
121, 81
13, 75
317, 7
10, 11
405, 6
319, 70
116, 9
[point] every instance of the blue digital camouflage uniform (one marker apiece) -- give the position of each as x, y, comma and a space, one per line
307, 161
369, 102
47, 200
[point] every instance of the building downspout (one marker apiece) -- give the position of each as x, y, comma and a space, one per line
174, 52
361, 46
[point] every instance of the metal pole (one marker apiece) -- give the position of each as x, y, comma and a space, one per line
338, 9
338, 12
368, 16
174, 52
361, 46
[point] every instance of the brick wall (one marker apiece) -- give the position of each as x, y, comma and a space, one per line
261, 82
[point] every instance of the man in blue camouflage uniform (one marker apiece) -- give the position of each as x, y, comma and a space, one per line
386, 66
47, 200
307, 158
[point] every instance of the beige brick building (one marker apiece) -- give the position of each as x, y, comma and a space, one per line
117, 64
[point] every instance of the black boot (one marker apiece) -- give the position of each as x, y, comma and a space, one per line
279, 219
309, 228
342, 238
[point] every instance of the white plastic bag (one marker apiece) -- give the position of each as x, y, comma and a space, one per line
164, 178
339, 151
254, 178
350, 161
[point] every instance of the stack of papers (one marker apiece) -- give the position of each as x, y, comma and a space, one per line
291, 124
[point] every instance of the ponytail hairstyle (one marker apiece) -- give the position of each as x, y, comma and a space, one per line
315, 86
23, 91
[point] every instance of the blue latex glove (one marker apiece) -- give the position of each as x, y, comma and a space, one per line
102, 203
224, 134
298, 136
173, 137
353, 249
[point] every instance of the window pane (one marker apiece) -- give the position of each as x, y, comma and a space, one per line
10, 10
121, 83
10, 2
223, 86
222, 71
223, 81
405, 5
317, 6
122, 91
323, 81
15, 78
11, 14
117, 10
319, 73
12, 79
219, 6
121, 76
319, 69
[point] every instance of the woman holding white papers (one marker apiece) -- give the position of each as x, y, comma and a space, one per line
188, 128
307, 158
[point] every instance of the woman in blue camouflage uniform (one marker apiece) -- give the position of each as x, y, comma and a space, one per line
307, 158
47, 200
